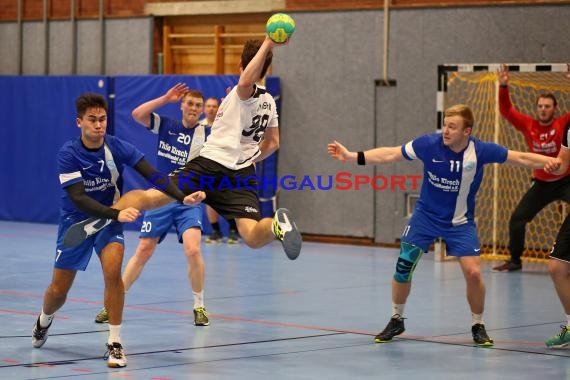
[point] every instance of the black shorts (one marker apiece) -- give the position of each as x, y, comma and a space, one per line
561, 249
232, 193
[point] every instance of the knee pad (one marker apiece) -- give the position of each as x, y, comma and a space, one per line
409, 257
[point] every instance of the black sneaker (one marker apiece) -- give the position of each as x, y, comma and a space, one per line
233, 237
215, 237
39, 334
393, 328
480, 335
508, 266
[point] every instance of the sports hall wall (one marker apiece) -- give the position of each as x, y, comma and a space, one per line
328, 75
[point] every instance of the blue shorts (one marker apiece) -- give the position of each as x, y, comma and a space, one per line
460, 240
77, 258
157, 223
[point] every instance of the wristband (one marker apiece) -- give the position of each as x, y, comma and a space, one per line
360, 158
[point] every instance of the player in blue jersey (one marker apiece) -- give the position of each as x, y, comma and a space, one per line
178, 142
90, 170
245, 131
453, 169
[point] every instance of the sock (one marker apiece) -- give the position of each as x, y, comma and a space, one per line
216, 227
398, 309
477, 318
45, 319
198, 299
568, 321
114, 334
232, 224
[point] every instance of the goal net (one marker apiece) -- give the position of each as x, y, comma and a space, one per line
503, 186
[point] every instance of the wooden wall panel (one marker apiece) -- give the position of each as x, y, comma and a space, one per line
202, 45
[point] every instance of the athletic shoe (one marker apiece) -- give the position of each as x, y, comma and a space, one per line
285, 229
480, 335
215, 237
78, 232
394, 327
115, 356
233, 237
102, 317
508, 266
560, 340
39, 334
201, 317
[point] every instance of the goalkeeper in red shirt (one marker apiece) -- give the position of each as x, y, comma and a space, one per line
543, 135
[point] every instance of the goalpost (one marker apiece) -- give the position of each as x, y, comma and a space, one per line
503, 186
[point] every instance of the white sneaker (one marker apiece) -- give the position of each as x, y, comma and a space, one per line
39, 334
116, 357
78, 232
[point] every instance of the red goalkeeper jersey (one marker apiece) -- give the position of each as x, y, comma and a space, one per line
541, 139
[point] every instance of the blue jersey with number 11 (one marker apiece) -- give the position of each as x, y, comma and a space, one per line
450, 179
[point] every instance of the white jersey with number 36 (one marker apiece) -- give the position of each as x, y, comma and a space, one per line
239, 127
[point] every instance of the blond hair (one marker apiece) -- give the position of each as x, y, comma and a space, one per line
463, 111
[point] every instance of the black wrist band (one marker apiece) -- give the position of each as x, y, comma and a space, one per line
504, 85
360, 158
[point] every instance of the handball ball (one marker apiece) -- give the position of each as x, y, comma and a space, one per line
280, 27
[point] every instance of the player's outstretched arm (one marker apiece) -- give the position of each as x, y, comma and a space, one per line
92, 207
143, 112
381, 155
532, 160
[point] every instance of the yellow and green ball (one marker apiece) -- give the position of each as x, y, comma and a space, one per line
280, 27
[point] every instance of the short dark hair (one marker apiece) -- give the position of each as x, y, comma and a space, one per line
548, 95
250, 48
89, 100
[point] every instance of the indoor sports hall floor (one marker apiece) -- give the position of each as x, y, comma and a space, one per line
271, 318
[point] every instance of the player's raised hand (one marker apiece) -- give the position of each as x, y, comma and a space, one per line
338, 151
272, 44
194, 198
176, 93
128, 215
503, 74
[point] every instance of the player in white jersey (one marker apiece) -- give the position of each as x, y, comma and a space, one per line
245, 131
178, 141
453, 168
